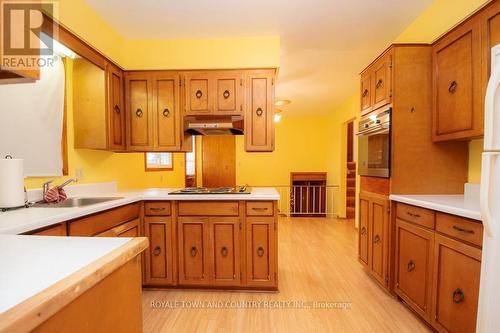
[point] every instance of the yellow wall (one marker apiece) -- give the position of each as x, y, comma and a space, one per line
436, 20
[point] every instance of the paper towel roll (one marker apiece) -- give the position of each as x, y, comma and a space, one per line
11, 183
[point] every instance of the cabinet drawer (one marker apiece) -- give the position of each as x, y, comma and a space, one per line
98, 223
204, 208
460, 228
157, 208
260, 208
128, 229
417, 215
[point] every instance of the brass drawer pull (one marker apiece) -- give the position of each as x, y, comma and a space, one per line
458, 296
139, 113
259, 112
157, 209
117, 109
194, 251
363, 231
467, 231
157, 251
413, 215
411, 266
224, 251
260, 208
453, 87
260, 251
380, 83
376, 239
166, 113
199, 94
365, 93
226, 94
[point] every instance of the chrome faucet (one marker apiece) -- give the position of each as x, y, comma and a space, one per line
45, 186
69, 181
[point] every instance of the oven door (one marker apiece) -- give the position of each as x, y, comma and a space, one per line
375, 152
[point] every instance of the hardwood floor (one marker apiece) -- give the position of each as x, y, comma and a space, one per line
317, 263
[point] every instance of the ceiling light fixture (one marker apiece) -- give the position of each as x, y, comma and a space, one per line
282, 102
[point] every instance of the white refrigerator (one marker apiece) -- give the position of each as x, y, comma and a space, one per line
488, 319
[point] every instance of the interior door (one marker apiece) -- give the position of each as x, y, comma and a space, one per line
218, 161
193, 240
167, 113
225, 247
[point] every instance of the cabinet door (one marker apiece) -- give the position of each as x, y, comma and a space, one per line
261, 248
366, 95
198, 93
225, 251
457, 270
193, 251
167, 112
414, 255
378, 232
457, 92
259, 124
116, 113
138, 90
382, 89
158, 257
228, 92
364, 206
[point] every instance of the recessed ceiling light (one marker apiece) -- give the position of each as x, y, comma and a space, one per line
282, 102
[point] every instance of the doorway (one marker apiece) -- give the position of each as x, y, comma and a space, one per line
351, 173
218, 161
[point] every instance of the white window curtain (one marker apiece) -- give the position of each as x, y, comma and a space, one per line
31, 120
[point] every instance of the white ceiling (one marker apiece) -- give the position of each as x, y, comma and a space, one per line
324, 43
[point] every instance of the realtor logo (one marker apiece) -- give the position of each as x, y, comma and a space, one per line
25, 33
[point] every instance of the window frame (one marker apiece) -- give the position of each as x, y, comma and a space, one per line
148, 169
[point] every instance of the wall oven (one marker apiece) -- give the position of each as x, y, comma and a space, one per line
374, 144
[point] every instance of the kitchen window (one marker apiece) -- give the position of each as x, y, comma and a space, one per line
158, 161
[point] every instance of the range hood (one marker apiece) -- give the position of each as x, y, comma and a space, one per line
214, 125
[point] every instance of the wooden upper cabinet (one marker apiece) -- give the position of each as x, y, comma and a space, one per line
259, 124
366, 95
229, 92
381, 81
139, 94
457, 268
198, 93
457, 84
414, 255
116, 112
166, 101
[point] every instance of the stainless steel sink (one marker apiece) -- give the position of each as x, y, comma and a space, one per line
74, 202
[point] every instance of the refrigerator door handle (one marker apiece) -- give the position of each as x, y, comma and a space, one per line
486, 187
489, 113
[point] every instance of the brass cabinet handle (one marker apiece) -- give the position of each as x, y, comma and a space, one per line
413, 215
453, 87
259, 112
117, 109
411, 266
363, 231
194, 251
157, 209
365, 93
199, 94
379, 84
467, 231
224, 251
226, 94
260, 251
376, 239
458, 296
157, 251
139, 113
166, 113
259, 208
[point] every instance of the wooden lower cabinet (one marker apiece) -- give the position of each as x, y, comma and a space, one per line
193, 242
457, 271
225, 251
158, 259
414, 266
54, 230
374, 235
261, 252
437, 275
